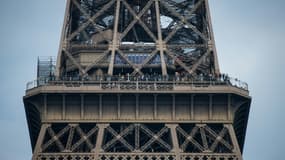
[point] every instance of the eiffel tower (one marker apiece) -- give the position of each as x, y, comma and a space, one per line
136, 80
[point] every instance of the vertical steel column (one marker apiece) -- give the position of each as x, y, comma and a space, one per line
236, 149
137, 106
38, 146
99, 141
45, 107
100, 106
174, 138
82, 106
192, 106
63, 107
119, 106
115, 39
229, 107
210, 106
173, 107
212, 39
63, 39
155, 107
137, 137
160, 42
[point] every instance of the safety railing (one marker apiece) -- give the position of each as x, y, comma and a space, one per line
138, 83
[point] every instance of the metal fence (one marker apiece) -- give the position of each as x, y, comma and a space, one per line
138, 83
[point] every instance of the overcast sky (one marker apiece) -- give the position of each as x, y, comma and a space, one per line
250, 42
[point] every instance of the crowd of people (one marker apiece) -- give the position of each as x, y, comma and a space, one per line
155, 77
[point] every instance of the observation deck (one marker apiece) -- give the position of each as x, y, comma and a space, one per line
141, 84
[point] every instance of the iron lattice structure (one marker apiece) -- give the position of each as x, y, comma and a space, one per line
137, 37
136, 80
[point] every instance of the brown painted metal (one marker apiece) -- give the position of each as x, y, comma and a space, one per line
137, 80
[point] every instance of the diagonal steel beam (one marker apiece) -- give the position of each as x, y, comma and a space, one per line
204, 138
92, 19
139, 20
128, 61
68, 54
178, 25
70, 138
184, 20
182, 64
160, 43
84, 138
96, 61
155, 137
55, 138
140, 66
119, 137
86, 15
201, 59
190, 138
172, 33
137, 136
115, 38
218, 138
173, 46
136, 18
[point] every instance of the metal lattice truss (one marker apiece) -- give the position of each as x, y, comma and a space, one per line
137, 141
71, 138
141, 138
174, 35
148, 156
204, 139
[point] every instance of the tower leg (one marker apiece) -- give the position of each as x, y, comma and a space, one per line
174, 138
234, 141
99, 142
40, 140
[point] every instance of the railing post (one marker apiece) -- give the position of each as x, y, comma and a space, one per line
137, 85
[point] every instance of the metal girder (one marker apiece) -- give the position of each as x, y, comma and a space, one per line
55, 138
70, 138
119, 137
178, 25
115, 39
91, 20
139, 20
140, 66
137, 137
69, 55
218, 138
104, 54
216, 61
136, 16
204, 138
86, 15
196, 65
189, 138
142, 139
160, 42
155, 137
182, 64
128, 61
184, 20
84, 138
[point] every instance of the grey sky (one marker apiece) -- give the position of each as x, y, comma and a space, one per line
250, 41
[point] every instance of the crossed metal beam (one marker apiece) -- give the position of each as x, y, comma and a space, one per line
155, 138
119, 137
90, 19
69, 147
203, 130
183, 20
